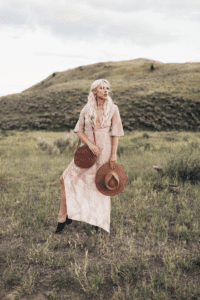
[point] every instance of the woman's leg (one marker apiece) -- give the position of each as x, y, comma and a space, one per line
63, 208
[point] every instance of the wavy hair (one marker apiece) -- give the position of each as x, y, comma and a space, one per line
91, 104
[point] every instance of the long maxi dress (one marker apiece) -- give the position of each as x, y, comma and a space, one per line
84, 202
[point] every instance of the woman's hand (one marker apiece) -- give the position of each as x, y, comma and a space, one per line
94, 149
113, 160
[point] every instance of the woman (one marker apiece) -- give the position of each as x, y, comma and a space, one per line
80, 198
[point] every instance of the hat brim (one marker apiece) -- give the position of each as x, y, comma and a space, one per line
99, 179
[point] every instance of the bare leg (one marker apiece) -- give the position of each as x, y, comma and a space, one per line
63, 208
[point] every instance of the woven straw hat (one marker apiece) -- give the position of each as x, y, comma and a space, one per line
110, 182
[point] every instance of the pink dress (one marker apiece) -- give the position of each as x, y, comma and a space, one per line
83, 200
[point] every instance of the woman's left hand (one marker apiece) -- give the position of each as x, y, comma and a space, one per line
113, 160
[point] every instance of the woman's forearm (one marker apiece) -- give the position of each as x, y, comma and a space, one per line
114, 145
87, 141
84, 138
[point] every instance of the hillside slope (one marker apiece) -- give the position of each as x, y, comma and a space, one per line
165, 98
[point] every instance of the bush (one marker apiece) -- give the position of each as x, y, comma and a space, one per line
185, 125
56, 148
145, 135
165, 121
149, 114
132, 121
42, 143
61, 144
184, 164
73, 140
141, 120
149, 108
53, 150
49, 149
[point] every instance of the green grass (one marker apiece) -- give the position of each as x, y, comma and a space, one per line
152, 251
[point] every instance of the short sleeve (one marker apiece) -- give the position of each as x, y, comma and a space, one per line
117, 129
80, 124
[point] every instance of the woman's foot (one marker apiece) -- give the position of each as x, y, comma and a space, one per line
68, 221
61, 226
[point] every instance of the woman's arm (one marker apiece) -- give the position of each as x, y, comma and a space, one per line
84, 138
114, 148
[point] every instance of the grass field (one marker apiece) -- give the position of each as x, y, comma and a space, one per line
153, 249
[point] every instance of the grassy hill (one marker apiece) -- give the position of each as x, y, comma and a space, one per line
166, 98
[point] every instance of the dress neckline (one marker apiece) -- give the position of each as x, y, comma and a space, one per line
98, 109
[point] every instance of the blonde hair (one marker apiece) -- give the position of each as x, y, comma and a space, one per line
90, 106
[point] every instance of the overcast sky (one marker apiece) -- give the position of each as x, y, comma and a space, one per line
39, 37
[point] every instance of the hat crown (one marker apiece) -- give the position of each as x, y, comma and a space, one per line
111, 180
116, 178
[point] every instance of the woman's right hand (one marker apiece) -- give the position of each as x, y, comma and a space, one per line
94, 149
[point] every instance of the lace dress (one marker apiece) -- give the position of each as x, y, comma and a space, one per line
83, 200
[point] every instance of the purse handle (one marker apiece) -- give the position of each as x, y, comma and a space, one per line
79, 142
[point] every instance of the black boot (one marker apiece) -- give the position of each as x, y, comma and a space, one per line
61, 226
96, 227
68, 221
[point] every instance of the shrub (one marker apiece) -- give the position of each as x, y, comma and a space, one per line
72, 139
158, 127
52, 149
148, 108
42, 143
166, 122
138, 114
148, 123
191, 122
42, 126
141, 120
185, 125
184, 164
145, 135
177, 124
149, 114
132, 121
55, 151
61, 144
173, 104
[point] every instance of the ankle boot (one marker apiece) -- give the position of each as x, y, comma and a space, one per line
68, 221
60, 227
95, 227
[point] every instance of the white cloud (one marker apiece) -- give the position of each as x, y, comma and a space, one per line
80, 20
44, 36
